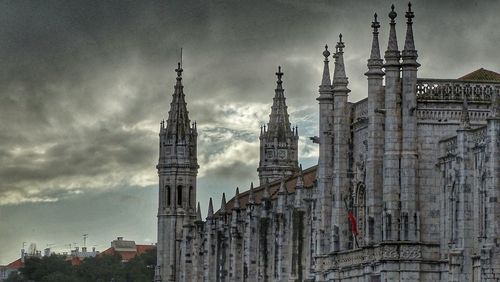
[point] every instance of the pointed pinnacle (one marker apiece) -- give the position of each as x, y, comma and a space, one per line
251, 198
237, 199
266, 194
223, 202
198, 213
210, 208
325, 80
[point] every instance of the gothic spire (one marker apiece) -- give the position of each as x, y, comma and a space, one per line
325, 81
409, 53
279, 124
392, 52
178, 124
375, 63
464, 118
339, 77
210, 213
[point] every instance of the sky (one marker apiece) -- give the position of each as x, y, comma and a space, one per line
85, 84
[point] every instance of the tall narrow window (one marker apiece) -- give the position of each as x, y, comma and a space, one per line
179, 195
190, 196
388, 227
169, 199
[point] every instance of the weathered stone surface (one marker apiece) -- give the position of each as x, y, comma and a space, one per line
421, 186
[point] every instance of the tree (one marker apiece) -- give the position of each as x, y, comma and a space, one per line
141, 267
15, 277
102, 269
38, 269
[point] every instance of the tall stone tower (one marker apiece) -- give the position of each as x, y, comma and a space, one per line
325, 160
279, 141
177, 170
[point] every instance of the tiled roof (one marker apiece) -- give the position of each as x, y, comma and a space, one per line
128, 255
309, 177
482, 75
16, 264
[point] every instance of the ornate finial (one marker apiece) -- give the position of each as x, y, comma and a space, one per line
179, 71
392, 14
340, 45
326, 53
375, 24
409, 14
279, 74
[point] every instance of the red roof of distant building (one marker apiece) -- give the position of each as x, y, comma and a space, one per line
16, 264
128, 255
76, 261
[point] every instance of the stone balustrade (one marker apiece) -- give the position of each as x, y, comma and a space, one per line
446, 90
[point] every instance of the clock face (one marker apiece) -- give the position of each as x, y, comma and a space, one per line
282, 154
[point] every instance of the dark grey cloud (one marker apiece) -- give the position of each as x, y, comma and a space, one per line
84, 84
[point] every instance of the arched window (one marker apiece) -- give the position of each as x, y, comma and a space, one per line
169, 199
179, 195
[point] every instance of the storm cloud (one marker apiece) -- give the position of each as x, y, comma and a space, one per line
84, 85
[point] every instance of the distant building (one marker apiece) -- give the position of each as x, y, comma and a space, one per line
6, 270
127, 249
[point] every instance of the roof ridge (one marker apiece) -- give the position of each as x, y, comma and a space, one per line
481, 74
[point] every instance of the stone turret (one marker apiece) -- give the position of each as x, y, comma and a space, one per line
325, 165
409, 158
177, 171
341, 133
392, 148
375, 139
279, 141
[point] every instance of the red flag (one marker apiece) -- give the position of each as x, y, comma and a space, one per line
352, 220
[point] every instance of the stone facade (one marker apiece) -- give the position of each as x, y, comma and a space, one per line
406, 187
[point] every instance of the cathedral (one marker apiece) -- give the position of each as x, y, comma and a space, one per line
406, 188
